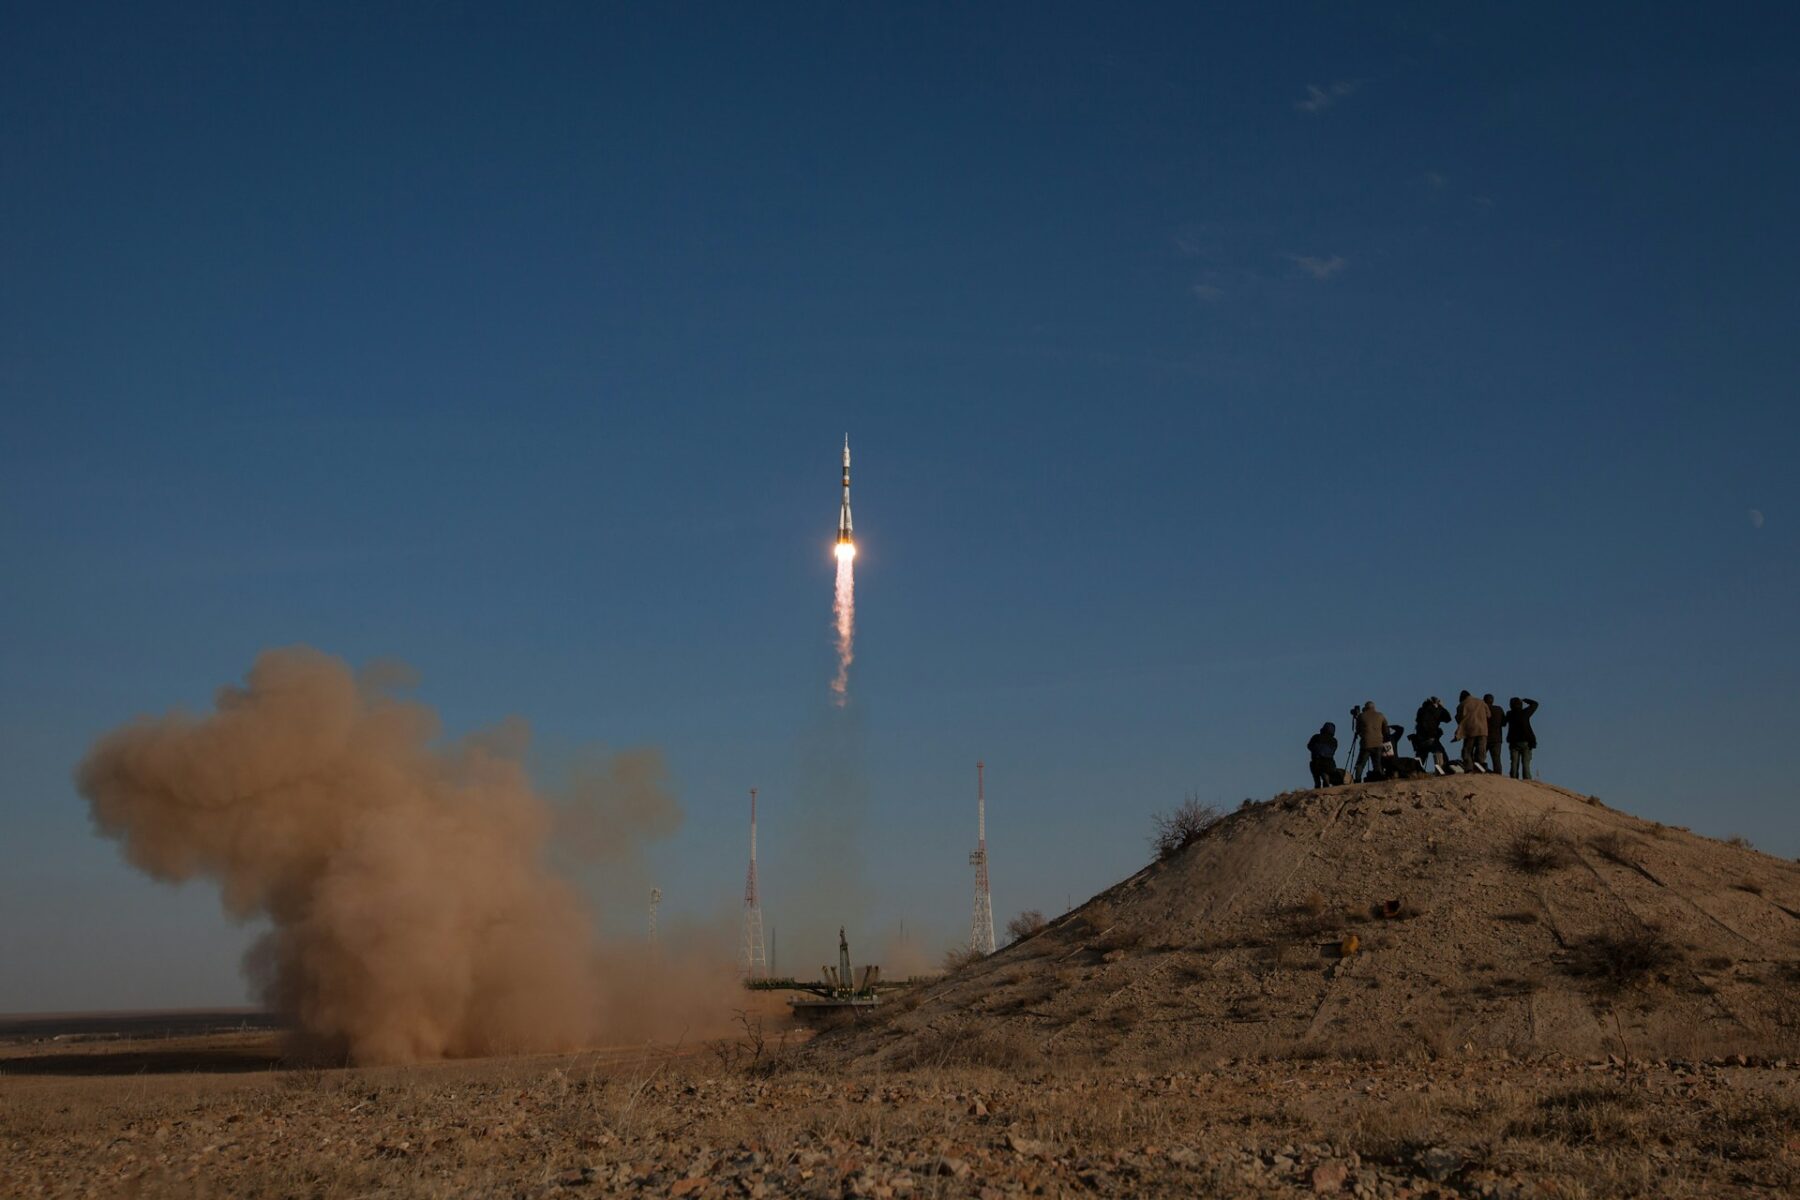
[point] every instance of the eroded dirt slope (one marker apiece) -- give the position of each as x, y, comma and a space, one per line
1528, 918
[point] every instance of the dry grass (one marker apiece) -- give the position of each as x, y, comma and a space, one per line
1595, 1114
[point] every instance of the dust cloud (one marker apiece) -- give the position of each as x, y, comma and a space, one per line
413, 913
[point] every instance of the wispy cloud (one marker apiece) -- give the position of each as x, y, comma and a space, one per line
1319, 268
1318, 99
1437, 181
1210, 293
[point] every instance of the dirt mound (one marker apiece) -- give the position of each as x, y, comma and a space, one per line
1383, 919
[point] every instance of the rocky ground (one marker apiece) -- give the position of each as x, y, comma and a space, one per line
1452, 988
721, 1123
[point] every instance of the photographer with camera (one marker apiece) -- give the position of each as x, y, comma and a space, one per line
1428, 733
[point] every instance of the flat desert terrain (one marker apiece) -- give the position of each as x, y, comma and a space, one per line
220, 1115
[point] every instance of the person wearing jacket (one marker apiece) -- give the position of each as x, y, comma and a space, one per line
1323, 751
1496, 722
1520, 738
1371, 730
1428, 733
1471, 731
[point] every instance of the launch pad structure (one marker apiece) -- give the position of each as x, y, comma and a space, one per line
839, 992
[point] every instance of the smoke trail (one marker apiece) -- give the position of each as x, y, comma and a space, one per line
413, 914
844, 611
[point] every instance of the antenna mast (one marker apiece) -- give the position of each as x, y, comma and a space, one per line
981, 925
755, 961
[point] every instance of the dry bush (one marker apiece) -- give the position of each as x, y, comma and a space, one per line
1181, 827
1740, 841
1613, 962
958, 957
1614, 847
1024, 997
1290, 956
1748, 885
1119, 939
1124, 1017
1536, 850
1313, 905
1394, 1130
1026, 924
1305, 924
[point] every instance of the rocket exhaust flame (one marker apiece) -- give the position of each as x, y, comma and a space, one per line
844, 610
844, 605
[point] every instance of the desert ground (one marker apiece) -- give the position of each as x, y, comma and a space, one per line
718, 1120
1427, 988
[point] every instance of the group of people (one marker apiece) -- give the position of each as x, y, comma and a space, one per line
1481, 724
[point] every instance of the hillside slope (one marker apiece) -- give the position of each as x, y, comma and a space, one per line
1527, 917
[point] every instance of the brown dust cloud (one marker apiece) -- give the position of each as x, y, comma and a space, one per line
413, 913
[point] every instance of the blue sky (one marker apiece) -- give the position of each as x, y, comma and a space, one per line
1207, 372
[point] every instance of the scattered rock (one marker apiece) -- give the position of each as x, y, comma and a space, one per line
1328, 1177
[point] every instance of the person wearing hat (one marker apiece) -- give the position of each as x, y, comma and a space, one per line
1323, 752
1521, 739
1428, 733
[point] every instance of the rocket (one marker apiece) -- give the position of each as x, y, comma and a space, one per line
844, 536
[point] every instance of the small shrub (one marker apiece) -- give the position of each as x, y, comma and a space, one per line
1313, 905
1026, 924
1614, 847
1181, 827
1119, 939
1290, 956
1748, 885
958, 957
1536, 851
1740, 841
1613, 962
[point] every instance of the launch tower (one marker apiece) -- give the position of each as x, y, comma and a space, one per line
755, 961
981, 926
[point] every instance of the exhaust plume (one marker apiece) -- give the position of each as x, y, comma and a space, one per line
413, 915
843, 611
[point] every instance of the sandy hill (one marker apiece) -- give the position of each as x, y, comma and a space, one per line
1387, 918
